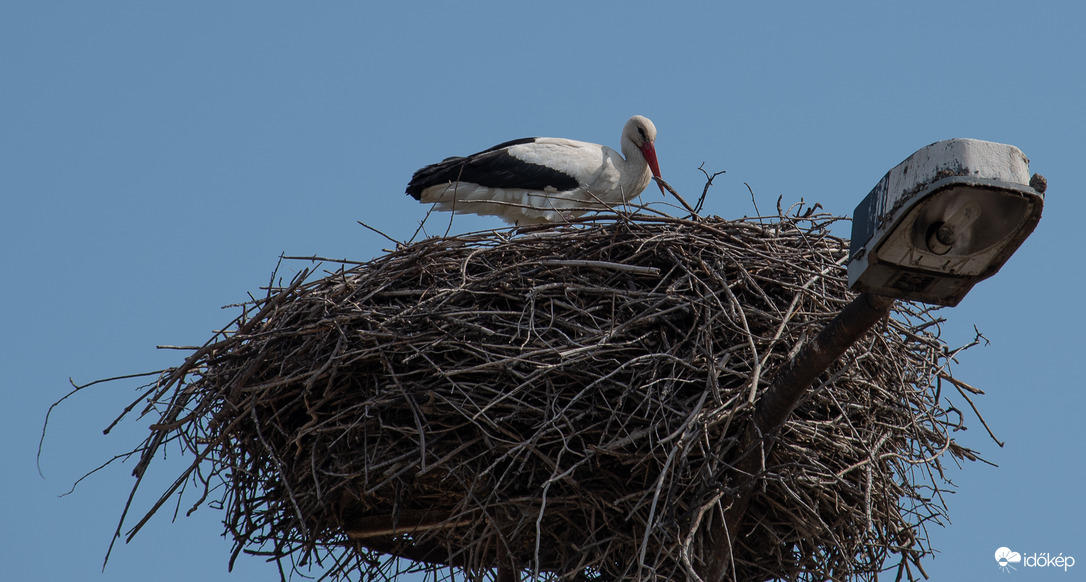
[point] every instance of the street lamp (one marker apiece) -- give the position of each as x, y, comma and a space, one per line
946, 218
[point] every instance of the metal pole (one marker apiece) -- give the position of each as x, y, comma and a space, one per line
840, 333
776, 405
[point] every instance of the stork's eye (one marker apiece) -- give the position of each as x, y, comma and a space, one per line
641, 130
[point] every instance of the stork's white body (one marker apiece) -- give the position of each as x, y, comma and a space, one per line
539, 180
598, 171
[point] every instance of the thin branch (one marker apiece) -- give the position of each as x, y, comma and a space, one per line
705, 191
672, 191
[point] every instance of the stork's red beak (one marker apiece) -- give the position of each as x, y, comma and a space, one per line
649, 151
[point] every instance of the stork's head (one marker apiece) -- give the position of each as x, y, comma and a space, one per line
642, 134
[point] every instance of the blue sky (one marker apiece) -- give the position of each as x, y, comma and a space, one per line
156, 159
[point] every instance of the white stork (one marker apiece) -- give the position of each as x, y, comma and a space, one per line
535, 180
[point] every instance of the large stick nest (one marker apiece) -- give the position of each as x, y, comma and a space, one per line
569, 400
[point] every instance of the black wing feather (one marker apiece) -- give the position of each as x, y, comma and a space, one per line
492, 168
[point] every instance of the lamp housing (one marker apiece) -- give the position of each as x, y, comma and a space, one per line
947, 217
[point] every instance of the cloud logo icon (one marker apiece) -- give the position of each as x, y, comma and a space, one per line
1005, 557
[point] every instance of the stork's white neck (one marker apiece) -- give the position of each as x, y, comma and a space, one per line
635, 173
